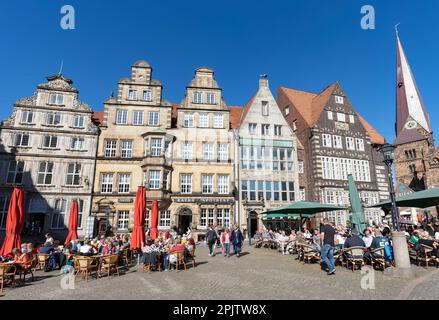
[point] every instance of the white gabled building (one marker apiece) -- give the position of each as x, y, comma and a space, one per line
266, 164
48, 146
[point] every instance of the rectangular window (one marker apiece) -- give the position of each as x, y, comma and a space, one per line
124, 183
15, 172
226, 218
188, 121
4, 205
218, 121
219, 217
252, 127
351, 119
27, 117
56, 98
287, 110
223, 184
276, 193
302, 194
123, 220
137, 118
187, 150
337, 142
78, 121
121, 117
186, 184
204, 120
265, 108
107, 183
126, 149
339, 99
166, 180
326, 140
132, 95
73, 174
211, 98
203, 218
156, 147
265, 129
291, 191
197, 97
165, 219
80, 212
155, 178
300, 167
147, 95
21, 140
207, 184
223, 152
77, 144
153, 118
110, 148
278, 130
330, 115
341, 117
45, 173
350, 143
50, 142
268, 191
208, 151
210, 216
59, 214
359, 144
53, 119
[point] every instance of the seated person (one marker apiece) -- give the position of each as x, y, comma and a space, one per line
353, 240
21, 259
316, 241
378, 242
283, 242
46, 249
368, 238
86, 249
190, 245
150, 251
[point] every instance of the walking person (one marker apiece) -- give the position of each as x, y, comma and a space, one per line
225, 242
237, 239
211, 238
327, 237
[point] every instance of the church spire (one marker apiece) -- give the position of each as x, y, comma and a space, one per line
410, 110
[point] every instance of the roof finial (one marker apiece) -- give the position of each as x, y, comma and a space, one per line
61, 68
396, 28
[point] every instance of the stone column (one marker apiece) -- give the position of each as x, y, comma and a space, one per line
400, 250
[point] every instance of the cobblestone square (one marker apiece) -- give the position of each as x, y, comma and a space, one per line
260, 274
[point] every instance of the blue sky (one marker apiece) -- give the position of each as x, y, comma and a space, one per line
303, 44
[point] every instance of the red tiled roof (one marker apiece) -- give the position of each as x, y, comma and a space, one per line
97, 118
375, 137
235, 117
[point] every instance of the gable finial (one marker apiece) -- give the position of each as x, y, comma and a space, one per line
61, 68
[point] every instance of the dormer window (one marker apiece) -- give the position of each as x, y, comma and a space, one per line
287, 110
147, 95
197, 97
56, 99
133, 95
339, 99
211, 98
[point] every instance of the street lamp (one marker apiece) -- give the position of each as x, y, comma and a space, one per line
248, 229
388, 152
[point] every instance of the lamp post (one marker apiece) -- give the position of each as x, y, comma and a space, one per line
400, 249
249, 232
388, 152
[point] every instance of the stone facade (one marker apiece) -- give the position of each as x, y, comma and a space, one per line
48, 146
134, 150
266, 163
202, 180
337, 142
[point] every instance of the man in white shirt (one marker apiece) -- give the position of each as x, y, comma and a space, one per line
283, 242
368, 238
86, 249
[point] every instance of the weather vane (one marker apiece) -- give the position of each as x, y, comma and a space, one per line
396, 27
60, 69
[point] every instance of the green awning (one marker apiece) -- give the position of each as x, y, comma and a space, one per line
304, 209
422, 200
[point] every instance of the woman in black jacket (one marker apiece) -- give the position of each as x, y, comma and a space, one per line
237, 239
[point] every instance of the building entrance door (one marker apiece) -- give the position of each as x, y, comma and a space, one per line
253, 223
184, 221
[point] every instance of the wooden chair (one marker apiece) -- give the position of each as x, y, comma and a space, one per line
125, 256
310, 254
378, 258
7, 272
355, 257
28, 268
425, 255
339, 257
413, 253
178, 261
299, 251
85, 267
191, 257
43, 260
150, 266
109, 265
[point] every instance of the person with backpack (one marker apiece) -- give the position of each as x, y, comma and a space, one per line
211, 238
237, 239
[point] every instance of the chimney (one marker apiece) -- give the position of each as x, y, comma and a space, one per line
263, 81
